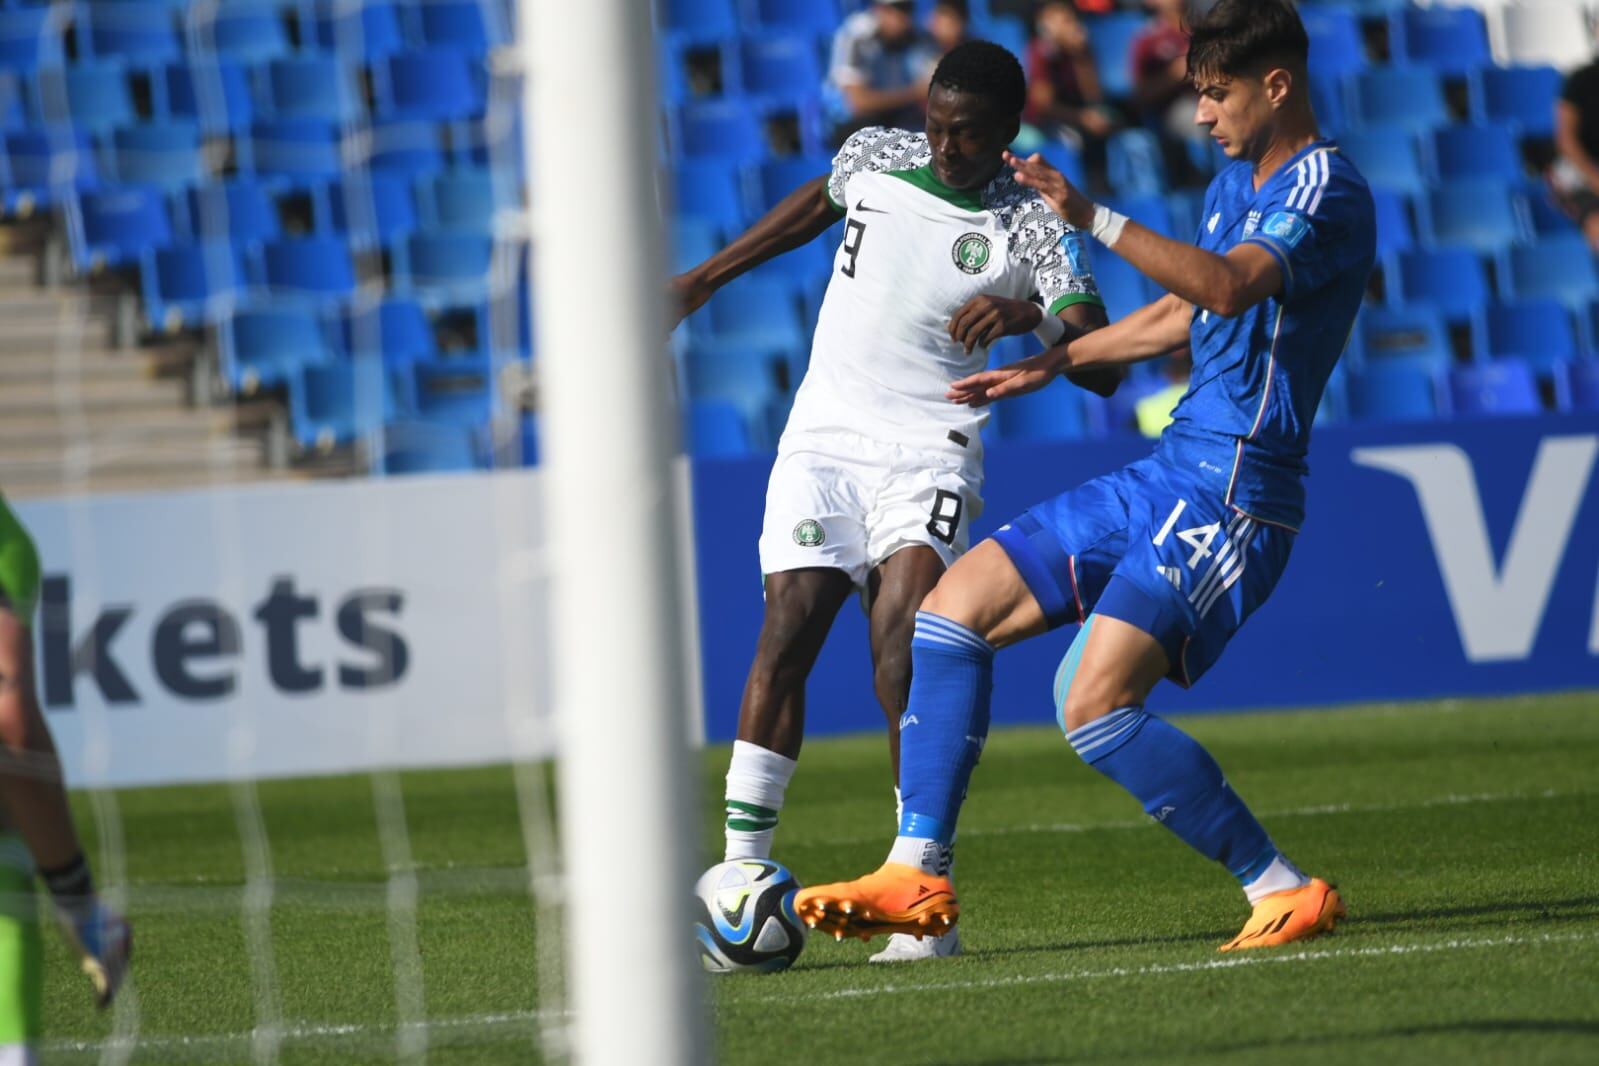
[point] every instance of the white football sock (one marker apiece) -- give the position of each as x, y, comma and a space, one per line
756, 781
924, 853
1280, 876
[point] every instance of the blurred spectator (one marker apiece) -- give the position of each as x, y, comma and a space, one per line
1575, 175
949, 24
1161, 90
881, 63
1064, 98
1153, 412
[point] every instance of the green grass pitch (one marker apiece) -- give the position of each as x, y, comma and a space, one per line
1465, 836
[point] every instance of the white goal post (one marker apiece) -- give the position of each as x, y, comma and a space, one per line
606, 414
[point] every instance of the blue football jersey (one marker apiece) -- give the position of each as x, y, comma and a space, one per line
1258, 377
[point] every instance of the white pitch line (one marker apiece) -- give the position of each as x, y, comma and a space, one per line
1252, 958
1313, 811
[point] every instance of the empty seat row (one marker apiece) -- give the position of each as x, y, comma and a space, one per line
149, 34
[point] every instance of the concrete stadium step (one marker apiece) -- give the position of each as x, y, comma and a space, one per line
88, 394
68, 470
99, 365
99, 482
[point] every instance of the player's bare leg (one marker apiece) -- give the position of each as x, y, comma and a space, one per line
800, 608
1100, 693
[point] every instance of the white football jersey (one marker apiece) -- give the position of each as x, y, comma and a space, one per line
915, 251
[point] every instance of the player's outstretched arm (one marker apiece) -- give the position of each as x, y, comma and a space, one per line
34, 803
1225, 285
1093, 355
799, 218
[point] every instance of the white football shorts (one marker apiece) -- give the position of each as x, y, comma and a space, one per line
847, 502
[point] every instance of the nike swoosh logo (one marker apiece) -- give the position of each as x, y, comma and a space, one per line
860, 205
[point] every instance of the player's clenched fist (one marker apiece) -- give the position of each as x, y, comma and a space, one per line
982, 320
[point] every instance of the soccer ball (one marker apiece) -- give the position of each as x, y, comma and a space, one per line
746, 920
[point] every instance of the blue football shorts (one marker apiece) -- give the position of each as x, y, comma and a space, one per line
1155, 548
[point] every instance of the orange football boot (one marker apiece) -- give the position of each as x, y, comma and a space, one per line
1293, 914
894, 899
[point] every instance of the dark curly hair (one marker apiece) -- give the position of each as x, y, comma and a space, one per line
1244, 36
983, 68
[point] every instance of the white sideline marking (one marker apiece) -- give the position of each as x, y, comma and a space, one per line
1251, 958
514, 1019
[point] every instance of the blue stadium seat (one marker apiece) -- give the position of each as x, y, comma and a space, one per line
446, 267
1328, 101
699, 19
439, 84
1124, 289
779, 67
717, 430
1478, 213
1386, 156
313, 87
1336, 46
1394, 230
1056, 412
190, 285
466, 199
473, 26
13, 113
142, 35
410, 148
368, 30
774, 179
395, 330
420, 447
30, 37
744, 375
1007, 31
302, 150
1544, 212
728, 129
815, 17
756, 312
1413, 334
1450, 279
314, 265
1401, 96
1111, 38
1134, 163
709, 189
1186, 209
247, 31
264, 345
1451, 40
1480, 150
1580, 385
1502, 387
110, 227
339, 402
693, 240
166, 155
214, 93
376, 208
94, 97
458, 391
1522, 96
1394, 391
1536, 331
1558, 268
240, 211
45, 163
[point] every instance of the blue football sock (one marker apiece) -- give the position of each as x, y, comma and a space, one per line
944, 726
1180, 786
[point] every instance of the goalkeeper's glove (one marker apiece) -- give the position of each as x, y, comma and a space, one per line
101, 937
